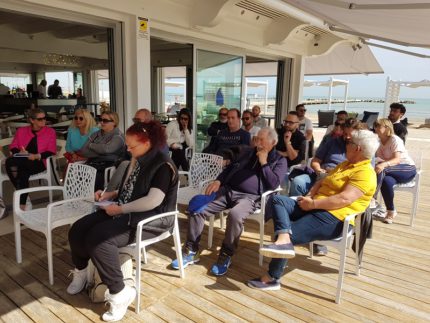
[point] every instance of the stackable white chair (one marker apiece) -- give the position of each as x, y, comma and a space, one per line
257, 216
12, 126
46, 175
203, 168
413, 186
78, 198
342, 243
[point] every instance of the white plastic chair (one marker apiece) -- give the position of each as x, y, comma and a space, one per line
51, 165
342, 243
137, 249
413, 186
78, 197
12, 126
257, 216
203, 168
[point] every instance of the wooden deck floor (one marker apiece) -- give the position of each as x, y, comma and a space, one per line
394, 284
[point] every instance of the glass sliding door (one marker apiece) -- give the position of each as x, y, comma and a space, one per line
218, 84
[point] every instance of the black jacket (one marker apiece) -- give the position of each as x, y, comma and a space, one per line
149, 165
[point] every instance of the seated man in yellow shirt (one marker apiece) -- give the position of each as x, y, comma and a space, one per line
319, 215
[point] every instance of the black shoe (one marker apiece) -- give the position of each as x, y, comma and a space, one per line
320, 250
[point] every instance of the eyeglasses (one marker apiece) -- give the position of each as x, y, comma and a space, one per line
106, 120
290, 122
40, 119
246, 118
78, 118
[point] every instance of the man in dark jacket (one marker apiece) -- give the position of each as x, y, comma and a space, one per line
238, 188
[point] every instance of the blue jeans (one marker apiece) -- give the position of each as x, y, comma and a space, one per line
390, 176
303, 227
300, 185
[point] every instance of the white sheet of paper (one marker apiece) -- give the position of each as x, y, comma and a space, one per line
104, 203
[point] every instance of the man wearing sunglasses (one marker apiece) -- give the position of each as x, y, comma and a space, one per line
248, 124
219, 125
291, 142
305, 127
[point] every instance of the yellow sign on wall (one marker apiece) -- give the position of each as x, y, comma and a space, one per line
143, 31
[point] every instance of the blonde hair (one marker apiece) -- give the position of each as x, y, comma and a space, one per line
113, 115
385, 123
89, 120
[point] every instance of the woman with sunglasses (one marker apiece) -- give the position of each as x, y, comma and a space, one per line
179, 137
104, 147
393, 165
82, 127
30, 148
148, 187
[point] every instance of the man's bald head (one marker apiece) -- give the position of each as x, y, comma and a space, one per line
142, 115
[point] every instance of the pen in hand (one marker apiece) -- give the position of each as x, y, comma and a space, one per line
101, 194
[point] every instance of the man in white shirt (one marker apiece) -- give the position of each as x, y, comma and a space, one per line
305, 127
258, 121
248, 125
41, 88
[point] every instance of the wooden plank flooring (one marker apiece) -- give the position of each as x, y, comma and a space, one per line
394, 284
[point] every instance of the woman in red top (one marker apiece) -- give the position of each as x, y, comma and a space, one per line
29, 149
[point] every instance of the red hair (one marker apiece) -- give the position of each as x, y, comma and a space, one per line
151, 131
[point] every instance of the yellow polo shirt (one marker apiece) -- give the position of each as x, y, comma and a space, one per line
361, 175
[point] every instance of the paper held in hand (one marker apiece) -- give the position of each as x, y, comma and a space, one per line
104, 203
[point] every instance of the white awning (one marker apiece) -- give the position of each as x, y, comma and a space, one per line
403, 22
344, 59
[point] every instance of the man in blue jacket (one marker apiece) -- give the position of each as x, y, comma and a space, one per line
238, 188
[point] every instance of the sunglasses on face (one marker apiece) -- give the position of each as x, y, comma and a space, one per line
246, 118
79, 118
40, 119
106, 120
222, 114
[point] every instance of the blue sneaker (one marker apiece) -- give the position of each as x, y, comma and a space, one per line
221, 266
188, 258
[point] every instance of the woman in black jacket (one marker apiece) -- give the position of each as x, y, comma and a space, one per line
148, 187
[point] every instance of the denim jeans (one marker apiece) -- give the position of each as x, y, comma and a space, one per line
300, 185
303, 227
390, 176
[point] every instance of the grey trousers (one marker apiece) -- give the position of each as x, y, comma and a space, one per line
241, 205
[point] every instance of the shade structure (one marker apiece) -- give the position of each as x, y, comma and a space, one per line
344, 59
330, 83
403, 22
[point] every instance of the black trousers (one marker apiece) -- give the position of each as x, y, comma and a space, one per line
179, 158
19, 170
98, 237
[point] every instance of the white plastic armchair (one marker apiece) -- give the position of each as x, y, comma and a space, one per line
78, 197
342, 243
203, 167
47, 175
136, 249
412, 186
257, 216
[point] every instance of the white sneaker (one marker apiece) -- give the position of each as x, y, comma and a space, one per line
79, 281
118, 303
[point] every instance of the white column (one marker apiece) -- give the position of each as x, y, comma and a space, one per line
330, 92
266, 94
296, 82
345, 96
